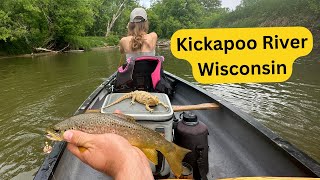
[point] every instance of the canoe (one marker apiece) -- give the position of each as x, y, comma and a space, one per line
239, 146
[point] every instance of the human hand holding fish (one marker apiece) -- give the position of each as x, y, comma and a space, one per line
147, 140
109, 153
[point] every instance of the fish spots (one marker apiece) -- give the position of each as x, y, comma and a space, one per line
92, 130
113, 131
104, 129
81, 124
91, 123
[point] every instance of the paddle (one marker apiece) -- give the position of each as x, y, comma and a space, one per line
269, 178
177, 108
204, 106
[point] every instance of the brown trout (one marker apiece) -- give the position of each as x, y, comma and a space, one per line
144, 138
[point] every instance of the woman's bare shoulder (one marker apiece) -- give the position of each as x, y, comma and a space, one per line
125, 39
153, 34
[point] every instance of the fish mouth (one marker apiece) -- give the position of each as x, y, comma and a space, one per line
54, 135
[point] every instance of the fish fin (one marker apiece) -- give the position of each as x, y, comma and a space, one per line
175, 158
124, 117
152, 155
82, 149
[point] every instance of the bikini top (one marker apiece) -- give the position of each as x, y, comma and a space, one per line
137, 54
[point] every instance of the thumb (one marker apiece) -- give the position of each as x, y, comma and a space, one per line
77, 138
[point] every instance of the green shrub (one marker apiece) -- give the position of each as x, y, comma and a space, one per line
112, 40
18, 46
86, 43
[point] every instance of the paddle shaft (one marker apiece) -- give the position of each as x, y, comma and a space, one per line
177, 108
204, 106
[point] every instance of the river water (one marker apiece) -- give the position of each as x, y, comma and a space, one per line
41, 91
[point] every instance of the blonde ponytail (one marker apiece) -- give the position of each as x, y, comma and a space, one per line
137, 30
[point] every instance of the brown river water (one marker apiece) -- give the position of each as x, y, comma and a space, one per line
41, 91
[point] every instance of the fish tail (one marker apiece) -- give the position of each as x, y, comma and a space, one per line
175, 158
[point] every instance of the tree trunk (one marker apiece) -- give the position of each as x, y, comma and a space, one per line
114, 18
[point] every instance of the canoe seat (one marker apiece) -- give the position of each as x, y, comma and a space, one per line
139, 73
142, 75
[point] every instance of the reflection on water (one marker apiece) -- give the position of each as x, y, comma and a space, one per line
39, 92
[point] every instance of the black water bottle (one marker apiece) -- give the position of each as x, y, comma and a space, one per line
192, 134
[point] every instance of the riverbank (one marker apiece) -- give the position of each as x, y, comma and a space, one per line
103, 44
21, 49
105, 48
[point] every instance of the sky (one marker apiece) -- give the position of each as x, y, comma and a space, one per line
225, 3
230, 3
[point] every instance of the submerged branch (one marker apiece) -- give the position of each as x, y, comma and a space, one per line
46, 50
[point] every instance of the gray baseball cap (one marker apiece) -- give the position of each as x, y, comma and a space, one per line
138, 15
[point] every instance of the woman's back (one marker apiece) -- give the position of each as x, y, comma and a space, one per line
147, 48
138, 42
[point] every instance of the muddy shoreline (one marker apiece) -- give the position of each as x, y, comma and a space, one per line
160, 44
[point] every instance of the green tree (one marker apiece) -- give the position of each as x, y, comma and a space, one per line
68, 20
9, 30
210, 5
104, 10
47, 23
246, 3
173, 15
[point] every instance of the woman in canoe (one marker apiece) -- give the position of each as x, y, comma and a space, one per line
116, 161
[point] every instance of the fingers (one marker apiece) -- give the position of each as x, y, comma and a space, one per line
75, 150
78, 138
142, 156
